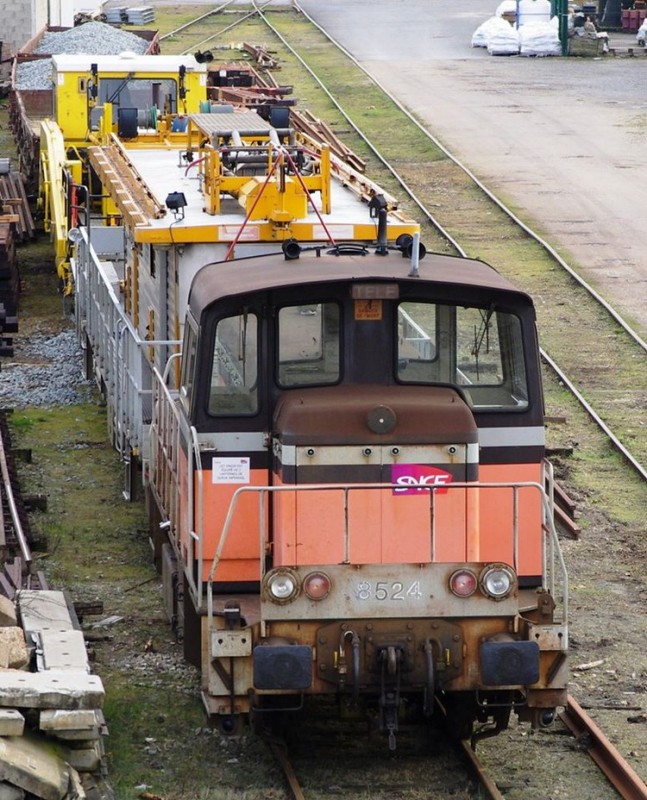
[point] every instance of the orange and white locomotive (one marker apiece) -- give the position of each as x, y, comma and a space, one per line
341, 437
359, 487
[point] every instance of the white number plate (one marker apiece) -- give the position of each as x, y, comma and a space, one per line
383, 591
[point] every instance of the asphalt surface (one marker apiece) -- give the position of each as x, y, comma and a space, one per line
562, 140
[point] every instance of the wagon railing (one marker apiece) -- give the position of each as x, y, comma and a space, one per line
117, 354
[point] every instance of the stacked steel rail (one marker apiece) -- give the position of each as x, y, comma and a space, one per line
17, 567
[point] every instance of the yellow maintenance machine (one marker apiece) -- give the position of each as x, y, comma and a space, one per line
143, 99
136, 143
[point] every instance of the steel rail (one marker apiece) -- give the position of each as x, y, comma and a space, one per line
572, 388
626, 454
280, 751
484, 779
229, 27
620, 774
196, 20
469, 753
401, 181
10, 501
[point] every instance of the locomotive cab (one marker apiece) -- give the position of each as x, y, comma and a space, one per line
362, 510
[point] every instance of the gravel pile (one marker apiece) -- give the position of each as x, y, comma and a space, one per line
96, 38
34, 74
46, 371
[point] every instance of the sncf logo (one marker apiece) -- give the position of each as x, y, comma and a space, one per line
416, 478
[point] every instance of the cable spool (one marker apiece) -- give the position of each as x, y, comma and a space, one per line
147, 117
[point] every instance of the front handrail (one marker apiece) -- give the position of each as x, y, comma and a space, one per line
265, 491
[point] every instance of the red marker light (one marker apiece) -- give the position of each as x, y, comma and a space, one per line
316, 585
463, 583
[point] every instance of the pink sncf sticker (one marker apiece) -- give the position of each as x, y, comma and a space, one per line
416, 478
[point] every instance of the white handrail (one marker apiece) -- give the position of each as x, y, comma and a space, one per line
549, 524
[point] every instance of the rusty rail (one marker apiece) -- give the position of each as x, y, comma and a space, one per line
623, 778
280, 752
485, 781
11, 516
469, 753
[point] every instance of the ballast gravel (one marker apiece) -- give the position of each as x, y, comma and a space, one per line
96, 38
92, 37
45, 371
34, 74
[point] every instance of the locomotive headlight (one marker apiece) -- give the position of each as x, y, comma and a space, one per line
463, 583
316, 585
281, 585
497, 581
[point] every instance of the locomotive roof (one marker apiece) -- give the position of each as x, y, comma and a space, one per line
239, 277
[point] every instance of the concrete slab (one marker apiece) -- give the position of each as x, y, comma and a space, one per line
65, 690
12, 723
43, 611
63, 650
27, 764
56, 719
9, 792
73, 726
84, 759
87, 736
76, 791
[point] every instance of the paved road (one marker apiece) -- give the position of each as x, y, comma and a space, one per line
563, 140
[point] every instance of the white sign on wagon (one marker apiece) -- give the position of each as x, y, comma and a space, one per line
230, 470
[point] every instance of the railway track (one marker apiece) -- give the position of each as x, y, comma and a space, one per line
623, 778
587, 734
605, 377
352, 763
463, 216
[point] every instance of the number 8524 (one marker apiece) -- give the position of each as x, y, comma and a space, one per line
388, 590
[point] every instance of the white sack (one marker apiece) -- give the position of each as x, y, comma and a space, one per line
539, 39
481, 34
503, 39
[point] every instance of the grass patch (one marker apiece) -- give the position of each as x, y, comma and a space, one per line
87, 526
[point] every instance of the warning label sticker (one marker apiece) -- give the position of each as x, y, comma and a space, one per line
230, 470
368, 309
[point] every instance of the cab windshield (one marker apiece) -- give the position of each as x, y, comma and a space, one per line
477, 349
